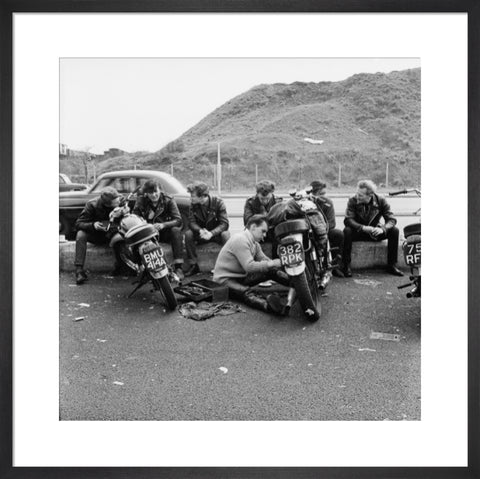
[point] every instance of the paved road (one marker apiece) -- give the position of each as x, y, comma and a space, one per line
403, 207
129, 359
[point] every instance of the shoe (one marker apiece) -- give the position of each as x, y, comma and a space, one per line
81, 276
194, 269
179, 272
392, 269
347, 271
116, 272
275, 305
338, 273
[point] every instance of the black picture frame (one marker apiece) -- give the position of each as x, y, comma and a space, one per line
8, 7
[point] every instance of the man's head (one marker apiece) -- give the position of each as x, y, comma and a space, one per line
319, 188
365, 191
110, 197
152, 189
258, 226
198, 192
265, 191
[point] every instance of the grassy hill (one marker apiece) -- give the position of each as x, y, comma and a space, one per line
365, 122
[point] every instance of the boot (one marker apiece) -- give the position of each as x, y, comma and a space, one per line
257, 302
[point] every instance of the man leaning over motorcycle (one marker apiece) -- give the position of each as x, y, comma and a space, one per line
94, 226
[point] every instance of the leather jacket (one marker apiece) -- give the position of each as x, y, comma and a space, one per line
254, 207
212, 216
95, 210
358, 214
166, 211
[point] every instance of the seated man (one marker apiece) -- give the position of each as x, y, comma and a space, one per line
335, 236
161, 210
93, 226
262, 202
242, 264
208, 221
362, 223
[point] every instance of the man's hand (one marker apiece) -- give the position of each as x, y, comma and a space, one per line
275, 263
376, 232
98, 226
207, 236
367, 229
159, 226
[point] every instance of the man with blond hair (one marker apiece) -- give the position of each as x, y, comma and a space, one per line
363, 222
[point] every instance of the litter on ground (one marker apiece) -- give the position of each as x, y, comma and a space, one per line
204, 310
224, 370
385, 336
118, 383
367, 282
84, 305
79, 318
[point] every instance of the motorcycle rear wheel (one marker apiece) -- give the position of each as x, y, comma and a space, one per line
164, 286
310, 305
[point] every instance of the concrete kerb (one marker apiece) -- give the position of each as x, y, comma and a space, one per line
365, 255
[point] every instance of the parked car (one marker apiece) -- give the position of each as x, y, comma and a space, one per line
72, 202
65, 184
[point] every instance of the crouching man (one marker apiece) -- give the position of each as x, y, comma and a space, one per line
242, 264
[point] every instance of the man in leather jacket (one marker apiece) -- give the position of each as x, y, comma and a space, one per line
363, 223
161, 210
93, 226
207, 221
261, 204
335, 235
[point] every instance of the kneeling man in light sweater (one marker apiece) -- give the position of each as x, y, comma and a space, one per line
242, 264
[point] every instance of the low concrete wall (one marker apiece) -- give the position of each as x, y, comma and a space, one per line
100, 258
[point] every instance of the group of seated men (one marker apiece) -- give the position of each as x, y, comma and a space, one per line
241, 260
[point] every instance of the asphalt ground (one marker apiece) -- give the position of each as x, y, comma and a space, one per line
130, 359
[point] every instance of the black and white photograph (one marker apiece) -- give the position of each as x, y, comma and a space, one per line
235, 286
240, 239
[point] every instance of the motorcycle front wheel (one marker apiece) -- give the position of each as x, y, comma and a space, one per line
309, 303
164, 286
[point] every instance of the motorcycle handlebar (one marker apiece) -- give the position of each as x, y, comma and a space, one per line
395, 193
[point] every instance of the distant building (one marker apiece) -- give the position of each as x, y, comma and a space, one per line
112, 152
63, 150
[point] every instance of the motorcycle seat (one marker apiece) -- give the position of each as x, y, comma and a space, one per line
291, 226
139, 234
413, 229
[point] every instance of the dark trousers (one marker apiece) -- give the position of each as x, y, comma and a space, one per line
351, 235
98, 238
240, 288
192, 238
336, 239
174, 237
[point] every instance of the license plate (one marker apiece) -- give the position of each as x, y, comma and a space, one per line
412, 253
153, 260
291, 254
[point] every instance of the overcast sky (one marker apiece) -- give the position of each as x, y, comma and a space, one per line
142, 104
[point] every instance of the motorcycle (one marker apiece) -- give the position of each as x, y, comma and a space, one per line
303, 256
412, 250
144, 254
